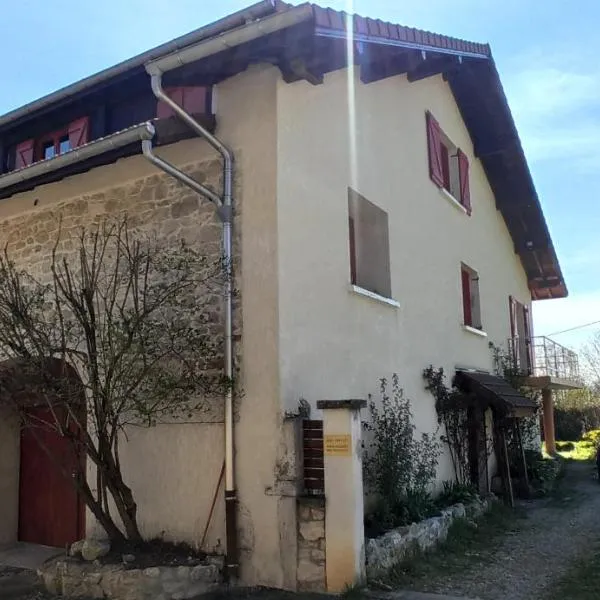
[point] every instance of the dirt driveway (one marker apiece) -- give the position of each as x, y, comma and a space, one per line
524, 564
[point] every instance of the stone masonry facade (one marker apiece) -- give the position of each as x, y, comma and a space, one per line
311, 544
156, 205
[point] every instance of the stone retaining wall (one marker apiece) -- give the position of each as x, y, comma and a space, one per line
311, 544
72, 578
392, 547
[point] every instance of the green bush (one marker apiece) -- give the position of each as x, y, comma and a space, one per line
576, 412
454, 492
592, 436
565, 446
399, 466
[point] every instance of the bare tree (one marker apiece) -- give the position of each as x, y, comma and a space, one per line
591, 361
123, 331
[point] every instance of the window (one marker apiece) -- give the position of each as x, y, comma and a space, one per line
52, 144
369, 245
194, 99
521, 333
470, 297
448, 164
48, 150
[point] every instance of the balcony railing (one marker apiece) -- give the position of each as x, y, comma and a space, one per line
543, 357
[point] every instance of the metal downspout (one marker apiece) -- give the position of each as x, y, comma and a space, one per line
225, 212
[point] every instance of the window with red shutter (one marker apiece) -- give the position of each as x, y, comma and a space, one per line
434, 148
191, 98
470, 297
78, 133
463, 176
448, 164
24, 154
466, 295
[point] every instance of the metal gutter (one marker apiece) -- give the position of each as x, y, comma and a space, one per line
144, 131
229, 39
386, 41
237, 19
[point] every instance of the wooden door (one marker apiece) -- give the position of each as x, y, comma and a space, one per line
477, 448
50, 512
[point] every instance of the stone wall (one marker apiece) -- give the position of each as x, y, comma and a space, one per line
73, 579
392, 547
311, 544
155, 205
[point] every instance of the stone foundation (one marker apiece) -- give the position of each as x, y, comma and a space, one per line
392, 547
311, 544
74, 579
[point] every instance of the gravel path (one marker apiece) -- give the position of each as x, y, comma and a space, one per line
554, 535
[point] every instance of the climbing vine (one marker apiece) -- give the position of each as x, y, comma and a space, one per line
452, 412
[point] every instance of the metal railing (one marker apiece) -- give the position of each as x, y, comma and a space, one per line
540, 356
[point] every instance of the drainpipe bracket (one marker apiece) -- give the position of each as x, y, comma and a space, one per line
225, 213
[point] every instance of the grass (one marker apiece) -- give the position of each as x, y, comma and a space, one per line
581, 582
467, 543
584, 450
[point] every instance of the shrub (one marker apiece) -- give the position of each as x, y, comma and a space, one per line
399, 467
454, 492
565, 446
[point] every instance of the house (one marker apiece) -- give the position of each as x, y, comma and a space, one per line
384, 219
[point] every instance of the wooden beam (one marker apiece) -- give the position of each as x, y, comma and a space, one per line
380, 67
433, 66
297, 69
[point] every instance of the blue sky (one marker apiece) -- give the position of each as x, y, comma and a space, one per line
544, 50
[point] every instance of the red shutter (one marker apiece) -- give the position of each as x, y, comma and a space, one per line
79, 132
24, 154
463, 173
512, 309
191, 98
434, 146
194, 99
466, 293
529, 340
514, 344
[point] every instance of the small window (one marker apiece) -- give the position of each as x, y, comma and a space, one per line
48, 150
369, 245
470, 297
448, 164
64, 144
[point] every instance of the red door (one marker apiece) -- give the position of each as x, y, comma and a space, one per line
50, 512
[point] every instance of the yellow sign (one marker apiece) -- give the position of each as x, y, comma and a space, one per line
337, 445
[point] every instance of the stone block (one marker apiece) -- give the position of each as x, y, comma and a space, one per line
205, 573
304, 512
308, 571
312, 530
317, 513
76, 548
173, 586
94, 549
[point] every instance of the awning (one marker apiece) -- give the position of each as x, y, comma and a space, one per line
496, 392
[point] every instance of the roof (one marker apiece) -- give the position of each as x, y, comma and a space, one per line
382, 49
493, 390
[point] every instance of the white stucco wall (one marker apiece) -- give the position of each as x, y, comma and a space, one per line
334, 343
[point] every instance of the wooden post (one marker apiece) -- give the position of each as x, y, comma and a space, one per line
509, 489
548, 415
